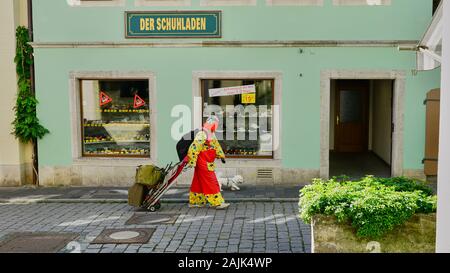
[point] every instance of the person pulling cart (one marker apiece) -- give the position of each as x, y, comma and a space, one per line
202, 153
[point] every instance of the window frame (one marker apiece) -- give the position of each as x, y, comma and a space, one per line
197, 114
77, 130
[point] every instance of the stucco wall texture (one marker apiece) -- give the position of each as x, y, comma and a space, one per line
15, 157
403, 20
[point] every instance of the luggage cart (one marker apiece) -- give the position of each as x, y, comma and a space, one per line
152, 200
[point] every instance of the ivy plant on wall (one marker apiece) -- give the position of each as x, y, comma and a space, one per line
26, 124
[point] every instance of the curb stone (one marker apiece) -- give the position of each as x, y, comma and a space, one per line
124, 201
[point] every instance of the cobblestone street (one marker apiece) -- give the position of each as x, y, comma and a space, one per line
248, 227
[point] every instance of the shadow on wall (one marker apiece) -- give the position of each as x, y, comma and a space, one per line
436, 4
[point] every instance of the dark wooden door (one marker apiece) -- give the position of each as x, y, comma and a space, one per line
352, 115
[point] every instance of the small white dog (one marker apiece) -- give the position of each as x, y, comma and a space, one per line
231, 183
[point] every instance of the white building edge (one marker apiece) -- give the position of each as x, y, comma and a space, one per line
434, 51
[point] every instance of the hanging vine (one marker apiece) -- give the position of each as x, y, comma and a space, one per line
26, 124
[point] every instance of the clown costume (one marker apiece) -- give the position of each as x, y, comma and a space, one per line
202, 153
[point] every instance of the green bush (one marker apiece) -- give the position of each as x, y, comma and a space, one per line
372, 205
405, 184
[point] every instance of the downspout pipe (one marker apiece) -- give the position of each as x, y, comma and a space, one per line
33, 91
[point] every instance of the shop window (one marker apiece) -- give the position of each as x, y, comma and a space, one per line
115, 117
228, 3
162, 3
362, 2
294, 2
244, 108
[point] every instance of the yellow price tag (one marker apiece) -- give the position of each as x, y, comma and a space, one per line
249, 98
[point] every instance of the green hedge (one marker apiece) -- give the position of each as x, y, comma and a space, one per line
372, 205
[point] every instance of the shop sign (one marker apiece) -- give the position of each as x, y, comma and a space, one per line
173, 24
232, 91
138, 101
248, 98
104, 99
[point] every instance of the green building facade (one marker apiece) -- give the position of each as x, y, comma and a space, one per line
113, 101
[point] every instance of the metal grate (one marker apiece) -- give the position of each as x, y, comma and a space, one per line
152, 219
124, 236
38, 242
264, 174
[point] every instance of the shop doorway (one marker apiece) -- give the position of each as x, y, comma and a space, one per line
361, 127
351, 113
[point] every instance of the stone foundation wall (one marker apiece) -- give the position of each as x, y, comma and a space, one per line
123, 175
87, 176
94, 175
418, 235
280, 176
16, 175
413, 173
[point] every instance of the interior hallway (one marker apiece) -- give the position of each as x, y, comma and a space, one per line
357, 165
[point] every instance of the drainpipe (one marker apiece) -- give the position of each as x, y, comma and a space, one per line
33, 91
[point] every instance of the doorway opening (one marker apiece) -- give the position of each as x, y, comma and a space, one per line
361, 127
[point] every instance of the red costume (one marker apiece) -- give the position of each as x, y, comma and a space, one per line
202, 153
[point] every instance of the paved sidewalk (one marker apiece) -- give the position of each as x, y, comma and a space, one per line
255, 227
119, 194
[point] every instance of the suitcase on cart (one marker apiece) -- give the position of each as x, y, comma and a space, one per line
146, 178
149, 175
136, 195
151, 183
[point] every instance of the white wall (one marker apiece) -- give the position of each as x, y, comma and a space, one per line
8, 80
382, 119
443, 207
13, 155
